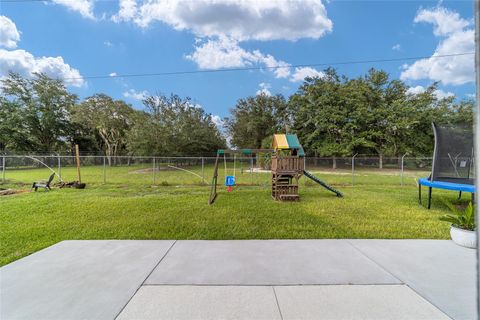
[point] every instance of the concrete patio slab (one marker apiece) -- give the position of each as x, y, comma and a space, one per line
267, 262
392, 302
77, 279
202, 302
96, 279
440, 271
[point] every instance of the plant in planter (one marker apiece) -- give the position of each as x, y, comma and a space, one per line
462, 230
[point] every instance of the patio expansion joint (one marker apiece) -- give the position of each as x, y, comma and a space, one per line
278, 304
402, 282
373, 261
269, 285
148, 275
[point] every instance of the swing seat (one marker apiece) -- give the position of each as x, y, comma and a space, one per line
229, 181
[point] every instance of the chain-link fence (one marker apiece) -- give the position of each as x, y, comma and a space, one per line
128, 170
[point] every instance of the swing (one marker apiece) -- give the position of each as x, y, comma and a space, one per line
229, 180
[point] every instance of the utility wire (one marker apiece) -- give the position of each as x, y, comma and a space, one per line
49, 1
52, 1
324, 64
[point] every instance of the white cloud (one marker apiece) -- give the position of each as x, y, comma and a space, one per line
24, 63
9, 35
301, 73
84, 7
241, 20
416, 90
455, 38
440, 94
113, 74
276, 66
396, 47
108, 43
136, 95
226, 53
264, 89
221, 25
221, 53
445, 22
128, 11
217, 120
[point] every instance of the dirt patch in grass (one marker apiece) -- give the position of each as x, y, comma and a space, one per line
9, 192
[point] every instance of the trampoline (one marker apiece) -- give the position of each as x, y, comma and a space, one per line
452, 166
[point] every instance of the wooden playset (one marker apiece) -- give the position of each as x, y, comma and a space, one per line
287, 167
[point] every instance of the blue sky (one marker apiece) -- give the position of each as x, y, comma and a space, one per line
75, 39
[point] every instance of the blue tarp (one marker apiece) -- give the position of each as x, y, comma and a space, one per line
446, 185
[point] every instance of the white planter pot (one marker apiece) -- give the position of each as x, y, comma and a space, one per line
464, 238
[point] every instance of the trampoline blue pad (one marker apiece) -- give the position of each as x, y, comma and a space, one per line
446, 185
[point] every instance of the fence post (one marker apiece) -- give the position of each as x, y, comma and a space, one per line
4, 161
251, 170
353, 169
203, 170
154, 170
59, 167
104, 169
401, 173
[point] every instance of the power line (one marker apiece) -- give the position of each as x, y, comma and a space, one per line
52, 1
323, 64
49, 1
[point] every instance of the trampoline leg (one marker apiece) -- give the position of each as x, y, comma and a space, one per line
419, 194
429, 197
460, 195
473, 198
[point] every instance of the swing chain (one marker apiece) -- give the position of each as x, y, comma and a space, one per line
230, 180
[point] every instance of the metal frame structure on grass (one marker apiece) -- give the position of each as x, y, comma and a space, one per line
224, 152
453, 159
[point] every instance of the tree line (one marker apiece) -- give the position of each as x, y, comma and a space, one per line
39, 115
332, 115
336, 116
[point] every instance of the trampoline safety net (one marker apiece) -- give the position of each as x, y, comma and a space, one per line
453, 155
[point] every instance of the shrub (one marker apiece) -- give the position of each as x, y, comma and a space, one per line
463, 219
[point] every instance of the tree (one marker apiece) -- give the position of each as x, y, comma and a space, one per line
462, 112
172, 126
110, 118
88, 139
36, 112
255, 118
14, 134
337, 116
333, 115
329, 113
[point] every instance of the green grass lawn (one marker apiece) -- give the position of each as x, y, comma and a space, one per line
129, 206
